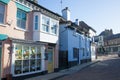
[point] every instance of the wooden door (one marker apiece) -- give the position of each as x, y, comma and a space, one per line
50, 60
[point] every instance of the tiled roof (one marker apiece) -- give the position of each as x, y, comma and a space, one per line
115, 36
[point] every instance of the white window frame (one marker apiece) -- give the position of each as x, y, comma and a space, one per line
57, 23
19, 27
42, 59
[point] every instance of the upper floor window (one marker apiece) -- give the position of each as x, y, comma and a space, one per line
2, 13
45, 24
21, 19
36, 22
54, 27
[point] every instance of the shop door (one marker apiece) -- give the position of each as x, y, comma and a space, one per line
0, 60
50, 60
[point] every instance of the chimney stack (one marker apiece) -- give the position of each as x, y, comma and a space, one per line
66, 14
77, 21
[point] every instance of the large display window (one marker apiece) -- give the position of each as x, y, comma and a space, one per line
27, 58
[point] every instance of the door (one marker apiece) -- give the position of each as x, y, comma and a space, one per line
50, 60
0, 60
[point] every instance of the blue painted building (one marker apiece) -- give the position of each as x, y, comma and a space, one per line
75, 43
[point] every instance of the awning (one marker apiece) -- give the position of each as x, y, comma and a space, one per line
3, 37
5, 1
22, 7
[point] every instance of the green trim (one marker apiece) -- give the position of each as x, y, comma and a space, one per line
3, 37
5, 1
22, 7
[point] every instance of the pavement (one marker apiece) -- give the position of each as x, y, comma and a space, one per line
64, 72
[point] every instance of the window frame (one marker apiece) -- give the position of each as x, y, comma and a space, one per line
75, 52
4, 13
20, 27
36, 22
46, 25
38, 58
54, 22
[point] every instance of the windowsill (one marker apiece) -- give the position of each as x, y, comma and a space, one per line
3, 25
48, 33
20, 29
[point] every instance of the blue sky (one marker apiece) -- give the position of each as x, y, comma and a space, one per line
99, 14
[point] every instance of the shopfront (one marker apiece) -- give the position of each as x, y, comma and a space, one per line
27, 59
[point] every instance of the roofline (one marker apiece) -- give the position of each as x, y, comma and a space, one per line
43, 8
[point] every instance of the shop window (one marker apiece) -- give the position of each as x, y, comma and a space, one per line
27, 59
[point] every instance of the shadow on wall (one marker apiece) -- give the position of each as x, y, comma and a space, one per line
7, 59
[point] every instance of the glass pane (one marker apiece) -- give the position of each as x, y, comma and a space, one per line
26, 52
2, 10
18, 22
32, 65
18, 67
18, 52
36, 26
23, 24
1, 18
45, 20
25, 66
23, 16
33, 52
19, 14
38, 52
36, 18
38, 64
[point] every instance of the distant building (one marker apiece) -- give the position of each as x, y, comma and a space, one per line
100, 40
112, 43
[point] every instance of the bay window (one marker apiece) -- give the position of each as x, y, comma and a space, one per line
27, 59
2, 13
21, 19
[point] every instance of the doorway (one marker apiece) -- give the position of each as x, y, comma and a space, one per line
50, 52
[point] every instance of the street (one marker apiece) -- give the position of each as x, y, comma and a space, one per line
107, 69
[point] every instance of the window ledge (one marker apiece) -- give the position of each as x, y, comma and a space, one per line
48, 33
3, 25
20, 29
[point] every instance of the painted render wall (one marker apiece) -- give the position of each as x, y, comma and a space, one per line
12, 30
70, 39
63, 38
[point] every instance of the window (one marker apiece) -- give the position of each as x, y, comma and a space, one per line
45, 24
53, 27
27, 59
2, 12
36, 22
21, 19
75, 52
